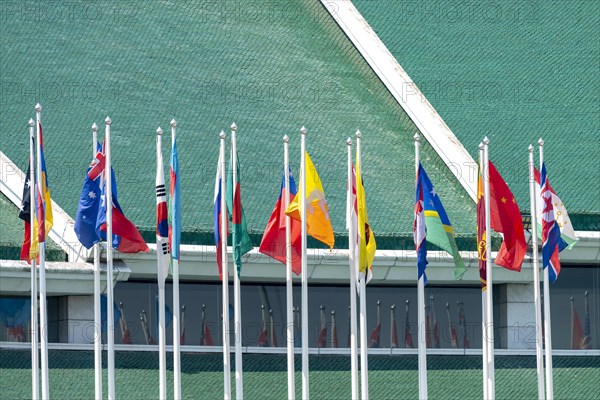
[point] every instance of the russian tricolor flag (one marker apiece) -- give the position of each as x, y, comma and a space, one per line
217, 215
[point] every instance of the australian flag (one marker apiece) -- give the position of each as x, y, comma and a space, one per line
90, 222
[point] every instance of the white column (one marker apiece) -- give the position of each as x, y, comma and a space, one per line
225, 274
35, 368
43, 303
162, 346
547, 311
491, 386
237, 304
305, 327
110, 317
352, 275
288, 274
364, 352
97, 316
539, 352
422, 345
176, 307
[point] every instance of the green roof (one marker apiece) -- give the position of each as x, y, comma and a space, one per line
390, 377
11, 234
269, 68
513, 71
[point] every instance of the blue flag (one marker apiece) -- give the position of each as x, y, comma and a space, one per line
168, 316
104, 313
15, 312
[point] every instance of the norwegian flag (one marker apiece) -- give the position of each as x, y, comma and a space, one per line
550, 229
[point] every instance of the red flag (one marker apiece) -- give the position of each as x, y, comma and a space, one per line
263, 338
577, 334
273, 243
376, 334
207, 339
408, 339
393, 332
322, 330
506, 219
334, 335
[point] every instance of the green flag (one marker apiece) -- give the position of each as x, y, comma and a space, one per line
439, 228
240, 238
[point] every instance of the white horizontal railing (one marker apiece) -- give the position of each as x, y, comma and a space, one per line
282, 350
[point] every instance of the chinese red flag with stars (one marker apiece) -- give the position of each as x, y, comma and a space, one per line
506, 219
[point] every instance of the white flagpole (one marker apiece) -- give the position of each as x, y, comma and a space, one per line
547, 324
539, 352
488, 259
237, 314
305, 383
43, 305
422, 346
352, 275
97, 316
288, 274
35, 368
110, 318
364, 361
484, 348
225, 275
162, 346
176, 307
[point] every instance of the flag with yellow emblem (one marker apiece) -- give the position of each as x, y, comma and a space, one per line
366, 239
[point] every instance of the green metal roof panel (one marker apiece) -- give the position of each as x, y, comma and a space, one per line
390, 377
513, 71
270, 70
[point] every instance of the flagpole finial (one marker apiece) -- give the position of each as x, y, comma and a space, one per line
38, 107
530, 148
481, 146
393, 307
107, 121
378, 302
358, 134
486, 141
586, 293
173, 123
417, 137
159, 131
407, 301
303, 130
332, 312
349, 142
571, 299
31, 122
94, 127
234, 127
286, 139
322, 307
222, 135
447, 305
541, 141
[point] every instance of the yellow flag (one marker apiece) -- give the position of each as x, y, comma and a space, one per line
366, 239
318, 224
34, 247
